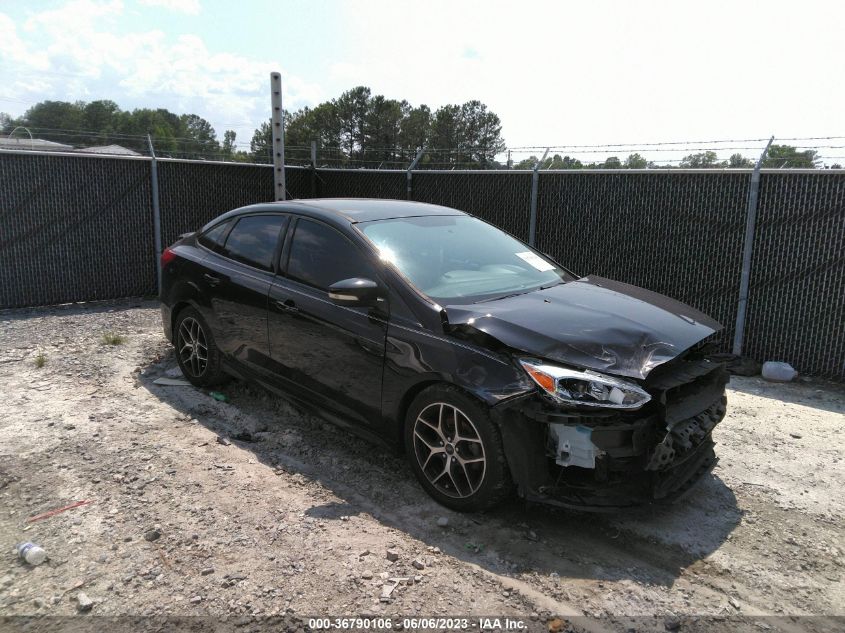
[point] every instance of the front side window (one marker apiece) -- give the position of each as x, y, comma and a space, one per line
253, 240
320, 256
460, 259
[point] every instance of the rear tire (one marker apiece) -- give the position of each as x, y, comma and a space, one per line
455, 450
196, 352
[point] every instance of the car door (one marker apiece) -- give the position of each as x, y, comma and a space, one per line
236, 281
332, 355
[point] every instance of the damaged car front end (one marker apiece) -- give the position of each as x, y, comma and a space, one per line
604, 457
624, 398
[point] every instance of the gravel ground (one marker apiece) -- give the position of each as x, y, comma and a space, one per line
250, 507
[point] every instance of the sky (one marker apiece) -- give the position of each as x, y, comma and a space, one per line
557, 73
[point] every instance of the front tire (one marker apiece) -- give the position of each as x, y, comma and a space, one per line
196, 352
455, 450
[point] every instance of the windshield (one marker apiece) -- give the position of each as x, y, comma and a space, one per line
460, 259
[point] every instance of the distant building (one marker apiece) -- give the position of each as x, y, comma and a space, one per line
38, 144
117, 150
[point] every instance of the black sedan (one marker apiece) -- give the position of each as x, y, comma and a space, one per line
428, 330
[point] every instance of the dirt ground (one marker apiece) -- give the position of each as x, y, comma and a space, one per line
250, 508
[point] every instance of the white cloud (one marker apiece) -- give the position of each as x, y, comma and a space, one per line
190, 7
72, 52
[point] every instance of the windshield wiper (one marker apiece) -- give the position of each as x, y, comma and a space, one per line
551, 285
522, 292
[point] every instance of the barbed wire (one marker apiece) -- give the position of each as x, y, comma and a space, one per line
515, 148
401, 157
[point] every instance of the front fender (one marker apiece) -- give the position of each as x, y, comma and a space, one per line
415, 358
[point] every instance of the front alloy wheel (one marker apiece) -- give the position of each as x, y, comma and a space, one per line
449, 450
455, 449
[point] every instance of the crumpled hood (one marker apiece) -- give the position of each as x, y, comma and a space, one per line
593, 322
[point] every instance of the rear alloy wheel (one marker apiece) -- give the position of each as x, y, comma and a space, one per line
196, 353
193, 347
455, 450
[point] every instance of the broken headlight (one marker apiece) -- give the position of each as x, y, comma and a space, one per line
585, 388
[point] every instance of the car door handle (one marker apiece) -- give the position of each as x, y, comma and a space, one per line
211, 279
288, 305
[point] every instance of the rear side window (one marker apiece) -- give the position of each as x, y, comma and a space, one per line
254, 238
213, 237
321, 256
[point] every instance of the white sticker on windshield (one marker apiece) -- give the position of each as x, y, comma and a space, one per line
535, 260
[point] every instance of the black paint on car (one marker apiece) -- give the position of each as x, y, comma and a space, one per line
428, 330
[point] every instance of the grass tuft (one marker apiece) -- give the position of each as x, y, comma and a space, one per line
40, 360
110, 338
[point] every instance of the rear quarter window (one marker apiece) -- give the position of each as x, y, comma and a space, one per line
213, 237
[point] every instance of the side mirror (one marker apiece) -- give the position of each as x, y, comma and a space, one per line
355, 292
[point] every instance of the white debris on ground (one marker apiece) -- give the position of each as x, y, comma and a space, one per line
250, 507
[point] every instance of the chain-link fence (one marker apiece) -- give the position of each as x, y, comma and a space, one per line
680, 234
74, 229
192, 193
78, 228
796, 308
359, 183
500, 197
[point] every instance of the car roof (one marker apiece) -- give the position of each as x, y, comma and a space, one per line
369, 209
343, 210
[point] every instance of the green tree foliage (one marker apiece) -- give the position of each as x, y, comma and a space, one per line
100, 116
228, 147
700, 160
102, 122
352, 109
362, 129
636, 161
555, 162
61, 116
738, 160
780, 156
358, 128
261, 145
415, 128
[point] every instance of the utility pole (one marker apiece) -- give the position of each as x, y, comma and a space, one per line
409, 176
313, 169
156, 210
277, 127
748, 251
535, 185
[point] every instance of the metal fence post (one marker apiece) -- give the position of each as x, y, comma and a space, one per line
278, 136
535, 185
748, 251
156, 211
313, 169
409, 177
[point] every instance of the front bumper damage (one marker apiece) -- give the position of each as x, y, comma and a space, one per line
605, 459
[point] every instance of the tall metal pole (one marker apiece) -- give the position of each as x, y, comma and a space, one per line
156, 210
277, 126
313, 169
748, 251
409, 176
535, 185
